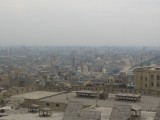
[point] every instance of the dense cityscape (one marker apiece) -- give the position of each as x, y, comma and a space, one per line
96, 77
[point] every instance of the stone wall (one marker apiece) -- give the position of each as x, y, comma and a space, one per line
57, 106
19, 90
15, 91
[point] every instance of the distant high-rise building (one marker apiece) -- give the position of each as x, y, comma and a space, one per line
85, 70
79, 69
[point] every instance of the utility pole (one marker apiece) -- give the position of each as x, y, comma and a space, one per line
97, 97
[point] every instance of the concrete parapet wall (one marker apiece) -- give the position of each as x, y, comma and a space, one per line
55, 106
107, 90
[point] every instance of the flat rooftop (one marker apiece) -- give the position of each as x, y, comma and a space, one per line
22, 114
148, 68
36, 95
146, 102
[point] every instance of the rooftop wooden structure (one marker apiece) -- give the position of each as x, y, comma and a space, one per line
45, 112
130, 97
136, 111
92, 94
33, 108
86, 93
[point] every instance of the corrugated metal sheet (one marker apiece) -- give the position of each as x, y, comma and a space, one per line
121, 112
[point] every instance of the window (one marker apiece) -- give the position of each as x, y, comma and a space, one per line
152, 84
152, 77
146, 78
157, 84
146, 85
57, 105
158, 77
47, 104
141, 77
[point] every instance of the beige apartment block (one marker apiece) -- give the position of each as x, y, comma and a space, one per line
147, 78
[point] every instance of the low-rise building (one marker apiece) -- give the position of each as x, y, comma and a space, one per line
147, 78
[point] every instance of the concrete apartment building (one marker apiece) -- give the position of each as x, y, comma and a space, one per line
147, 78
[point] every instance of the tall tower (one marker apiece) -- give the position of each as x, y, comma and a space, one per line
52, 59
73, 61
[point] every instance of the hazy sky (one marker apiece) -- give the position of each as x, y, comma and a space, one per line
80, 22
